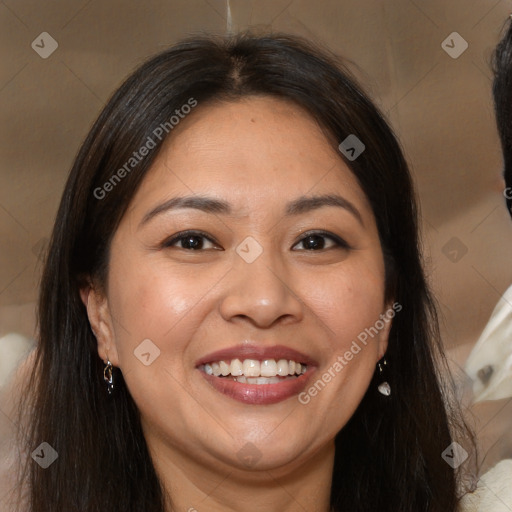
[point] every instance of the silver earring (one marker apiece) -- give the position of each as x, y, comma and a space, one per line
384, 387
108, 377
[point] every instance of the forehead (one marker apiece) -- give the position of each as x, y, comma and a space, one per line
253, 150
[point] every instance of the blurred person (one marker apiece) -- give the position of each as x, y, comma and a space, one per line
490, 363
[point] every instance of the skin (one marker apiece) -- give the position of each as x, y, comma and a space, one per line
258, 154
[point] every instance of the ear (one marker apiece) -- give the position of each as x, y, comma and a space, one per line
100, 319
390, 311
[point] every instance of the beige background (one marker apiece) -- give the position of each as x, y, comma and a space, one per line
440, 107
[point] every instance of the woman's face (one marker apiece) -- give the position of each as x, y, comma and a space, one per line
248, 245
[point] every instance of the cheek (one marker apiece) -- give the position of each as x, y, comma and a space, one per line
155, 315
147, 303
346, 302
152, 298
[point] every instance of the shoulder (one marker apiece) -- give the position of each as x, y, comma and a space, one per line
493, 492
10, 451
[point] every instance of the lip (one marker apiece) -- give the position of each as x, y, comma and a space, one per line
259, 394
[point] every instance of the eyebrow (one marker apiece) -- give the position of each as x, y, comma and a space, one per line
211, 205
205, 204
307, 204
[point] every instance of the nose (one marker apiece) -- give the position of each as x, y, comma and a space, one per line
261, 293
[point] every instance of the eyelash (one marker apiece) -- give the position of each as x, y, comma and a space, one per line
339, 242
184, 234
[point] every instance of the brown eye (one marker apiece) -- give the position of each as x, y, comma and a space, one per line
313, 242
191, 241
321, 241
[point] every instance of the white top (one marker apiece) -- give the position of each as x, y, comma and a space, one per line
493, 492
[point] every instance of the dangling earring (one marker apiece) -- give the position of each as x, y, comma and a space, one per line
384, 387
108, 376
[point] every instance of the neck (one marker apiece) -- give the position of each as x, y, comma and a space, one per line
194, 486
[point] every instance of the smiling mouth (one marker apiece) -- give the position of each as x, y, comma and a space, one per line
254, 371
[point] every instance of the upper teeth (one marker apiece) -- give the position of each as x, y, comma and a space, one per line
255, 368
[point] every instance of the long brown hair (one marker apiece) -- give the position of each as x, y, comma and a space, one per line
388, 456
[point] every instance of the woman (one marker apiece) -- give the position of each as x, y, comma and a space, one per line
233, 313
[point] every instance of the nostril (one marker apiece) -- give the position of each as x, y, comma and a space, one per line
485, 373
